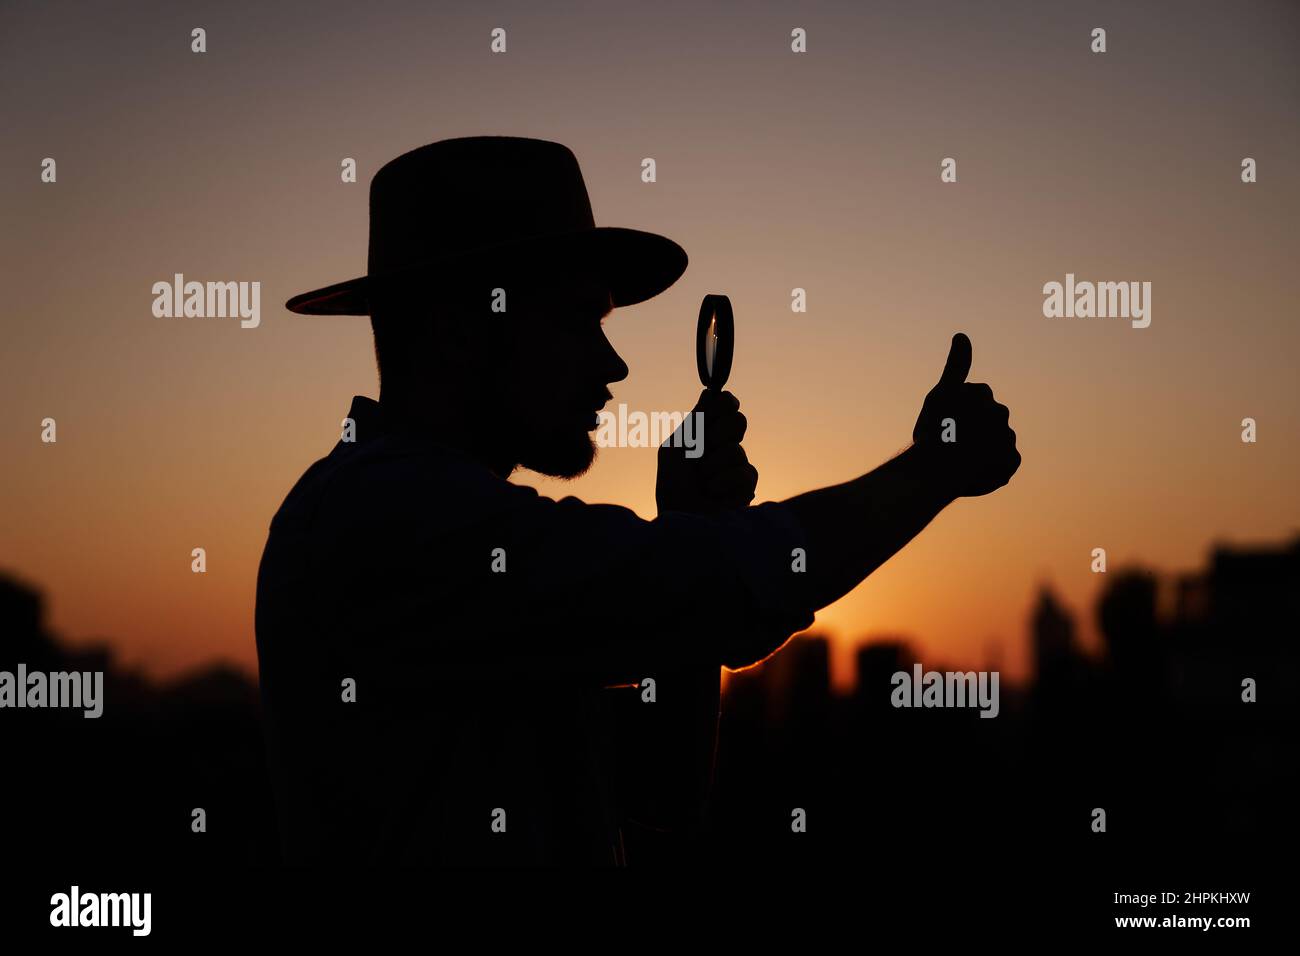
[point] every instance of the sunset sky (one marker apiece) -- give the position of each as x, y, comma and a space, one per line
775, 170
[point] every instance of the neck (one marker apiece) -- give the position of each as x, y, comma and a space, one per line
454, 426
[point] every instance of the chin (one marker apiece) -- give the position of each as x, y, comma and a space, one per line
565, 455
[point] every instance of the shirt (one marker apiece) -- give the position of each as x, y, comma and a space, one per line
439, 650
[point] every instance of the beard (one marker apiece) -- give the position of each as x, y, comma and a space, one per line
563, 453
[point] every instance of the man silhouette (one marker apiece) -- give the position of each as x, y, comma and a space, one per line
441, 649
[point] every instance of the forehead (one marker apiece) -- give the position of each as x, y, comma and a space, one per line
584, 293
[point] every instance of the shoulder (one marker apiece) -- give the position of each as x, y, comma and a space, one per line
392, 475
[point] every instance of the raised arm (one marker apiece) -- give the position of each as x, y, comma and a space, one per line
962, 446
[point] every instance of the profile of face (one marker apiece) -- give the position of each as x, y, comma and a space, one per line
554, 369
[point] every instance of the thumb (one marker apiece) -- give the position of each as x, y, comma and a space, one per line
957, 367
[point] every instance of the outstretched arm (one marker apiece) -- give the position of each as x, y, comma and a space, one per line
962, 446
855, 527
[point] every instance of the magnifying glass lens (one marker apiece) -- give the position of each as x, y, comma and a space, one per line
715, 332
711, 345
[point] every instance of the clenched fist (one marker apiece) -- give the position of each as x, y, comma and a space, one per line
721, 478
963, 433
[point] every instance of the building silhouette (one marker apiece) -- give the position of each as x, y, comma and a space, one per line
1154, 729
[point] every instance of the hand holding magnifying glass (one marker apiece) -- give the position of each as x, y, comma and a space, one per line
713, 475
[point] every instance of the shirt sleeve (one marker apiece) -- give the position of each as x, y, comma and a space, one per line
479, 572
635, 594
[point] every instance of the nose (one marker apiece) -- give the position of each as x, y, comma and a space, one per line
615, 369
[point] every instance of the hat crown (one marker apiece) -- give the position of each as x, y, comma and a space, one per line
459, 196
508, 209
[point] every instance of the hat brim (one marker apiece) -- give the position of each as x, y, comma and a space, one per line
637, 266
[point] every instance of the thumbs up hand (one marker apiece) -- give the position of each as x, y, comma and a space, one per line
962, 433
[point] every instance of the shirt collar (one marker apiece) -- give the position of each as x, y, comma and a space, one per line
372, 423
369, 418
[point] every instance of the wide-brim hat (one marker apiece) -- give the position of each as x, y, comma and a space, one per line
496, 209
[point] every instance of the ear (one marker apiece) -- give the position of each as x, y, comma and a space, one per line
453, 336
472, 337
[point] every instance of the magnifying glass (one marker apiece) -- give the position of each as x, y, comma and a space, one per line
715, 341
